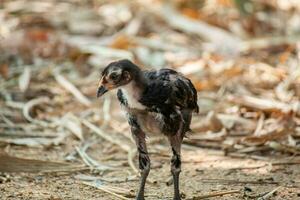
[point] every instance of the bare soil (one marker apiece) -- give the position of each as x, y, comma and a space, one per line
204, 171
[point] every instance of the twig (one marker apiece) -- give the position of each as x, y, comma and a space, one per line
215, 194
252, 167
269, 194
105, 190
229, 181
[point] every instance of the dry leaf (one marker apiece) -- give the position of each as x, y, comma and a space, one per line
4, 70
121, 42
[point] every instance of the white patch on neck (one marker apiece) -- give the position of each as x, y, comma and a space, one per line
131, 94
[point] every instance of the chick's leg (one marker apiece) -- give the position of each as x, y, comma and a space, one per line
144, 160
175, 142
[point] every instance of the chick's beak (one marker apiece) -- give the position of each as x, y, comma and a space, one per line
101, 90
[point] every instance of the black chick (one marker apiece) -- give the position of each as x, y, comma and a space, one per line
160, 102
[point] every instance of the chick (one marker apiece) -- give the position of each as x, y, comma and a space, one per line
159, 101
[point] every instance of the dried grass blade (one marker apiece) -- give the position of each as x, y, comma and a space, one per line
105, 190
29, 105
24, 79
106, 136
93, 164
71, 88
70, 122
215, 194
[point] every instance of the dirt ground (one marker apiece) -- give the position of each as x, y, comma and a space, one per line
203, 171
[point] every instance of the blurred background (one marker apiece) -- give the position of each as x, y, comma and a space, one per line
57, 141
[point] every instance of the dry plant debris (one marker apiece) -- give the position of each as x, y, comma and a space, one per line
243, 62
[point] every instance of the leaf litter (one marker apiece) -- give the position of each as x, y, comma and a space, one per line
247, 80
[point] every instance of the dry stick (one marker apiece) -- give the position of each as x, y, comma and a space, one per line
215, 194
252, 167
269, 194
69, 170
106, 190
231, 181
127, 148
120, 191
71, 88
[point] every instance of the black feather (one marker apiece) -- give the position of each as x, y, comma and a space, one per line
165, 92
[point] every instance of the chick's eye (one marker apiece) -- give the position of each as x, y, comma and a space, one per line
113, 76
